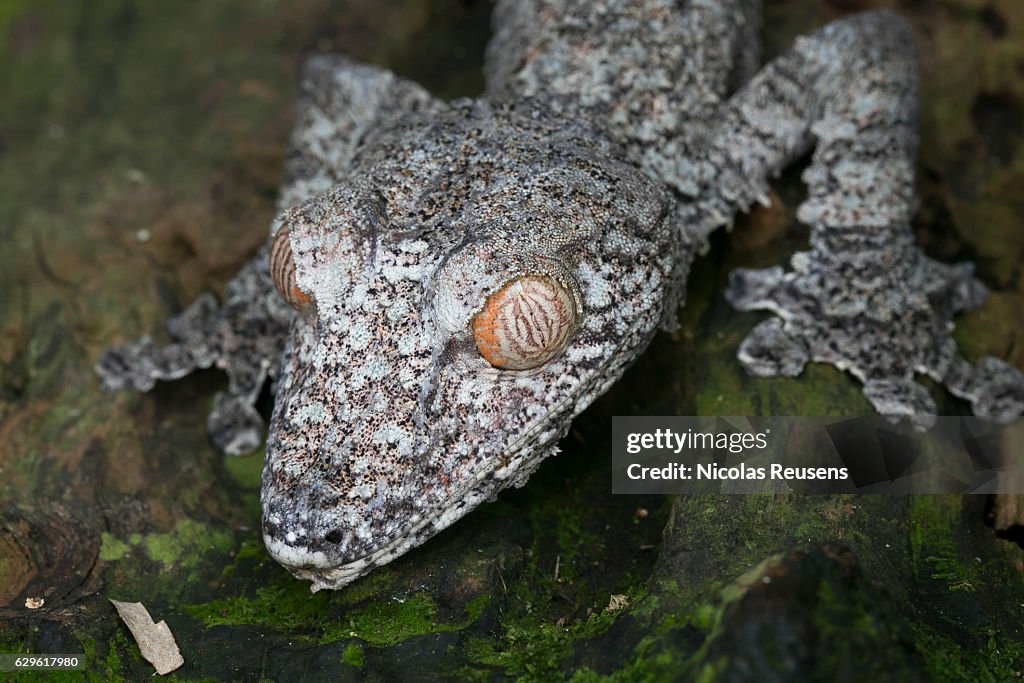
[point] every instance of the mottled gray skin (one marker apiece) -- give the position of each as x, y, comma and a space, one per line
614, 136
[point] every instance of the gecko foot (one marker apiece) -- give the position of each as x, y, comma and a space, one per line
139, 364
244, 336
885, 317
901, 397
234, 425
994, 387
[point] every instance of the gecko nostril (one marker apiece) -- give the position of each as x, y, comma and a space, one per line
334, 536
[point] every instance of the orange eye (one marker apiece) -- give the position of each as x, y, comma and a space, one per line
525, 323
282, 271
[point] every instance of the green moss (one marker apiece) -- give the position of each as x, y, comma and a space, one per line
185, 545
560, 534
984, 331
390, 622
710, 671
585, 675
933, 543
112, 662
170, 565
947, 661
380, 582
55, 677
163, 548
251, 549
535, 651
112, 548
476, 606
286, 606
652, 658
10, 646
646, 605
534, 645
247, 470
353, 655
290, 607
100, 668
652, 661
961, 637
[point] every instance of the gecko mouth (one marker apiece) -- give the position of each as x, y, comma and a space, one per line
310, 564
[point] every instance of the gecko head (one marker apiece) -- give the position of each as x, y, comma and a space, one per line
456, 317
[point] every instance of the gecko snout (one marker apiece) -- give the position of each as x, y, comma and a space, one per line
295, 535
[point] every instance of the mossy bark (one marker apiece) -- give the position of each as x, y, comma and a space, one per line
140, 151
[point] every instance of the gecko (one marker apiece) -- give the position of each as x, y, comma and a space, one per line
447, 285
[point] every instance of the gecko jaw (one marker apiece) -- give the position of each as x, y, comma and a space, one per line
518, 460
306, 566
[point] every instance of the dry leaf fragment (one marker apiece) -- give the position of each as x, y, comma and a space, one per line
616, 603
155, 640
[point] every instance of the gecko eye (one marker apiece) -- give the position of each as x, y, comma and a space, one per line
525, 323
282, 271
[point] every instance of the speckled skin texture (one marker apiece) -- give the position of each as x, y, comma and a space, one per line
613, 137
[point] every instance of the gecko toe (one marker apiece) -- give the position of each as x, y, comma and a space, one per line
128, 366
234, 425
751, 289
997, 390
900, 397
768, 351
